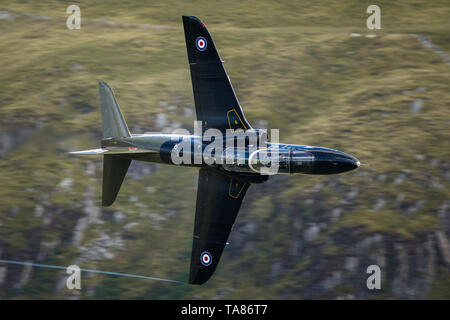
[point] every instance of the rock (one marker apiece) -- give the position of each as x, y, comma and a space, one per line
76, 67
444, 247
62, 102
118, 217
421, 89
400, 178
352, 194
188, 112
351, 264
416, 206
249, 227
5, 15
275, 271
435, 183
92, 215
400, 197
312, 233
416, 106
430, 267
3, 272
139, 170
38, 211
78, 231
379, 204
161, 120
46, 249
130, 225
295, 247
66, 184
335, 214
298, 223
89, 170
24, 276
400, 280
368, 242
13, 138
444, 216
99, 248
419, 157
333, 281
318, 186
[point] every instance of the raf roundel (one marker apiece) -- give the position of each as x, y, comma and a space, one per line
205, 258
201, 44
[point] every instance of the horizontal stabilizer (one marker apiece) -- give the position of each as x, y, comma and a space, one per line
90, 151
112, 150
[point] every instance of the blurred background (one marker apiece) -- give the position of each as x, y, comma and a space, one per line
312, 69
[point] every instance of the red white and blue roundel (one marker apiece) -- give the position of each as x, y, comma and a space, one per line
201, 44
205, 258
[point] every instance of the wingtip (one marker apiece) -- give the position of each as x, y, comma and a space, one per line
191, 18
103, 84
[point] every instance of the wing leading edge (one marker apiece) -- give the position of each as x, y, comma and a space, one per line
219, 198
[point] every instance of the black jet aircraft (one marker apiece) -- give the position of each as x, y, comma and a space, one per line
222, 184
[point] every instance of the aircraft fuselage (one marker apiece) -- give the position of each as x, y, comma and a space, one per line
160, 148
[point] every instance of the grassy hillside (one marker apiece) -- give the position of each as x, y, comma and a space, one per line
312, 69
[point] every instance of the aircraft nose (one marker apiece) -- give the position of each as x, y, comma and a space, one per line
352, 161
356, 162
333, 161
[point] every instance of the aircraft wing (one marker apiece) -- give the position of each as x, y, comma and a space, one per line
219, 198
216, 103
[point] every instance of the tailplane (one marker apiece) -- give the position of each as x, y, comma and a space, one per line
115, 166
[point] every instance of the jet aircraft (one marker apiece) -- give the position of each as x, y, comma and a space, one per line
222, 183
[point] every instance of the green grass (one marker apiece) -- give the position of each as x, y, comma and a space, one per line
292, 64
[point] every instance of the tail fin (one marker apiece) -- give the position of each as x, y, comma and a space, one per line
113, 123
114, 126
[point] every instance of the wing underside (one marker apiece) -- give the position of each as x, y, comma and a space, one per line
219, 198
216, 103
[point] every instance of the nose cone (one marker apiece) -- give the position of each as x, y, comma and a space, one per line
332, 161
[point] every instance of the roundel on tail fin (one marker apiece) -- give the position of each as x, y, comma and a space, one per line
201, 44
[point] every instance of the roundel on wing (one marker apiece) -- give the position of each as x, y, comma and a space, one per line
201, 44
206, 258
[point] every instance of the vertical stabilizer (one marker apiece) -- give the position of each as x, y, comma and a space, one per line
113, 123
